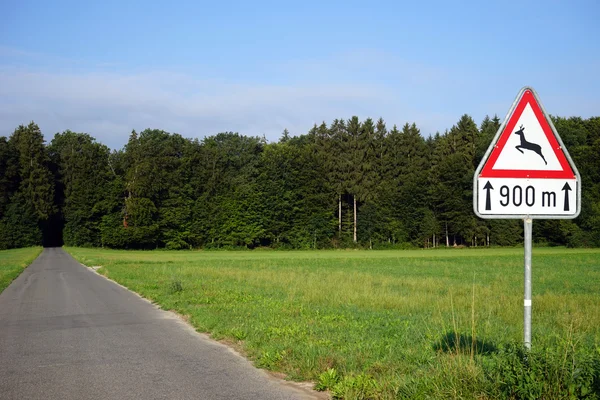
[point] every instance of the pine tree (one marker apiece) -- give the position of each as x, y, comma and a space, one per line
453, 183
336, 163
83, 174
36, 184
9, 173
32, 204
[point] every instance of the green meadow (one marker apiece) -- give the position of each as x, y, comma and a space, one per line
387, 324
12, 263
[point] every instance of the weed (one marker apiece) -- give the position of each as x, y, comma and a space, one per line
238, 333
544, 373
175, 286
358, 387
327, 380
269, 359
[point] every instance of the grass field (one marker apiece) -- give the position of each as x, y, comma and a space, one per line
385, 324
12, 263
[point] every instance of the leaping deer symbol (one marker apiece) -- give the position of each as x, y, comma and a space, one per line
528, 145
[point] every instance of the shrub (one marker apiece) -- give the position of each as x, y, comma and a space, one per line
358, 387
328, 379
175, 286
559, 372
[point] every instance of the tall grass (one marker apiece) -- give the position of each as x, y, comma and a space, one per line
377, 324
12, 263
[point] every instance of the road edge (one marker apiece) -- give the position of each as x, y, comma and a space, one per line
21, 270
277, 377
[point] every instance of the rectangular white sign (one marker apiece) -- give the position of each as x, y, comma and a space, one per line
526, 197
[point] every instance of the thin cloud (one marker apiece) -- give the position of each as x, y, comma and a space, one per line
109, 105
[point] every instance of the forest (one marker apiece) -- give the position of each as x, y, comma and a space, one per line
346, 184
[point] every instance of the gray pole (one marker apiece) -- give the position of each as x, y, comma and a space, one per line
527, 302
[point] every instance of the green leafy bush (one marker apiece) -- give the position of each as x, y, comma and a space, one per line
558, 372
175, 287
269, 359
358, 387
327, 380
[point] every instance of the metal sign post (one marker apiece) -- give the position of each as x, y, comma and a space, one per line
527, 173
528, 225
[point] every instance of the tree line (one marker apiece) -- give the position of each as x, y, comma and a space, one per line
351, 183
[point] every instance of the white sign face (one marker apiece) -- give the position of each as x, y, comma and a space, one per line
526, 172
509, 196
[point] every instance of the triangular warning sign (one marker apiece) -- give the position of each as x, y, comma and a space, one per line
527, 146
526, 171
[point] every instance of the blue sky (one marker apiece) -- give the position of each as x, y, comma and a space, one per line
199, 68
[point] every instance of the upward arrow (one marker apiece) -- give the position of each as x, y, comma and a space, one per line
488, 201
566, 189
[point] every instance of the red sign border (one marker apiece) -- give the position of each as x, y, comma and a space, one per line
566, 172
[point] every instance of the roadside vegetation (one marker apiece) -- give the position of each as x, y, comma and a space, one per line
388, 324
13, 262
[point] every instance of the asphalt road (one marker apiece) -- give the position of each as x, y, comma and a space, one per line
68, 333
